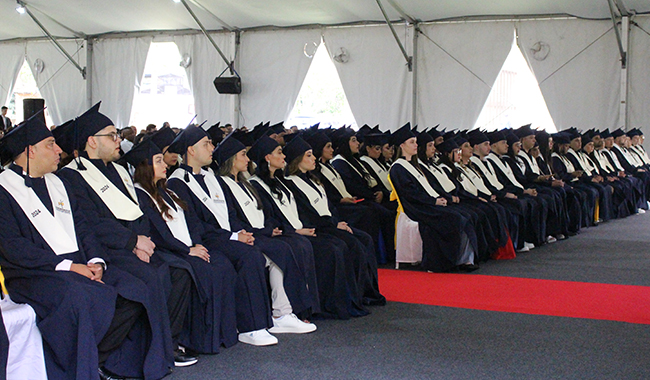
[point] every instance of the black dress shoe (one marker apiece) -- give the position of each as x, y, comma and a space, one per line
105, 374
183, 359
467, 268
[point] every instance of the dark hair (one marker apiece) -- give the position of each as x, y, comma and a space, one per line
422, 153
225, 171
293, 168
263, 171
144, 176
445, 159
353, 159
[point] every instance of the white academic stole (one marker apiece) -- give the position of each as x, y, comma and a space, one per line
370, 180
335, 179
422, 180
604, 162
442, 177
317, 199
57, 230
381, 172
287, 205
120, 205
504, 168
475, 179
247, 202
215, 201
532, 162
176, 222
489, 174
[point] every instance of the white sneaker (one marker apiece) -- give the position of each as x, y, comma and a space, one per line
290, 324
258, 338
529, 245
523, 249
640, 211
550, 239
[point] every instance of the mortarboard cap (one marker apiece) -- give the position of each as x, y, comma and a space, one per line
295, 148
401, 135
186, 138
263, 146
227, 148
89, 123
163, 137
144, 150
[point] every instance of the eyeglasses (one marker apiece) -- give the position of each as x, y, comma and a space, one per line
113, 135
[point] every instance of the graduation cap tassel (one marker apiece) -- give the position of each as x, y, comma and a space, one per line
28, 179
187, 177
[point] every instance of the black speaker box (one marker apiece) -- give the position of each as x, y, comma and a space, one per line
228, 85
32, 106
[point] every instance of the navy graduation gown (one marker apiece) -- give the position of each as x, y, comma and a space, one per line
251, 292
73, 312
329, 261
212, 314
441, 229
360, 260
292, 254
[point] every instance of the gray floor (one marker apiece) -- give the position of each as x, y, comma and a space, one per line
405, 341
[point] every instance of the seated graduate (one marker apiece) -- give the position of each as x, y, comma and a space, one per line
279, 204
448, 238
50, 260
359, 213
624, 189
315, 212
107, 197
537, 212
552, 202
492, 222
373, 144
590, 176
575, 199
564, 169
205, 197
212, 316
291, 258
163, 139
616, 146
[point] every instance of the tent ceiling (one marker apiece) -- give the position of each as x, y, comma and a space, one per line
101, 16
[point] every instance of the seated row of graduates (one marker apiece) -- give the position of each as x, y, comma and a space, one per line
534, 188
122, 272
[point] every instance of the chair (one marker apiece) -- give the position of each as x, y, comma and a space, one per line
408, 242
25, 359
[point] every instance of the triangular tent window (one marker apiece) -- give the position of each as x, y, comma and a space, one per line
515, 98
321, 98
24, 88
164, 94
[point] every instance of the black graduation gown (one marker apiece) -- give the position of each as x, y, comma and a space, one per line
251, 293
329, 261
604, 190
442, 229
590, 194
212, 320
575, 199
291, 253
361, 264
536, 214
73, 312
625, 198
375, 219
629, 168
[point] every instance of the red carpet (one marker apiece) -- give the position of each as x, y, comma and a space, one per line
624, 303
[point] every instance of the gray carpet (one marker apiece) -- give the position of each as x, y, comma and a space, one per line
405, 341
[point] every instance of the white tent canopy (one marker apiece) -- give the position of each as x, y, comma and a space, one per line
455, 62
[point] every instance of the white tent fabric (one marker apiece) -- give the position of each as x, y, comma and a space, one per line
13, 57
118, 66
580, 77
274, 66
60, 83
206, 65
639, 75
376, 79
458, 64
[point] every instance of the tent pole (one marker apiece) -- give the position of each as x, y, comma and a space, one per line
90, 45
414, 99
236, 119
409, 60
625, 35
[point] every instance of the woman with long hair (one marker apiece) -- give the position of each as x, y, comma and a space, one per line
280, 205
315, 212
291, 256
448, 238
212, 318
366, 215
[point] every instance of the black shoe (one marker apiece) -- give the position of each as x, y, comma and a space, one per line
183, 359
467, 268
105, 374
